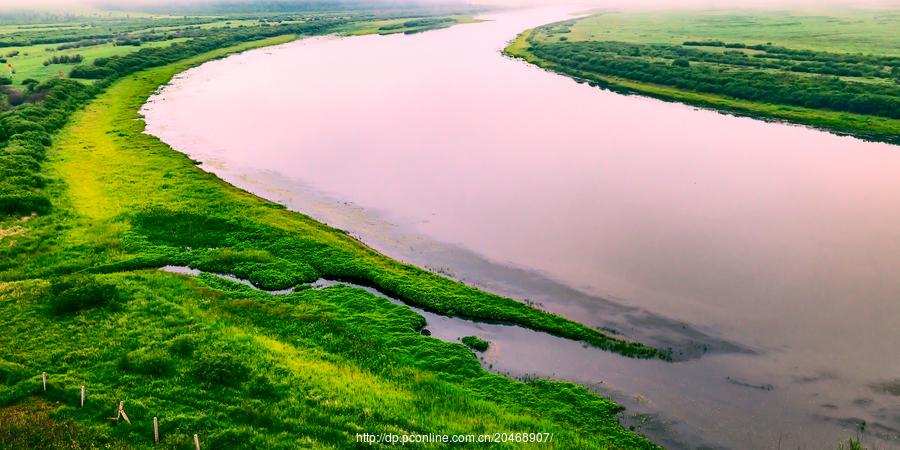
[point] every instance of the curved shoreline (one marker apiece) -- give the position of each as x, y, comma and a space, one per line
140, 204
750, 380
792, 115
488, 306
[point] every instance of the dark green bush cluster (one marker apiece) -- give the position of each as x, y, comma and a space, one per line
82, 43
222, 368
476, 343
183, 345
153, 362
11, 373
736, 75
78, 293
426, 22
64, 59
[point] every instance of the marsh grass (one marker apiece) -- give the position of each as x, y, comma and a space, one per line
476, 343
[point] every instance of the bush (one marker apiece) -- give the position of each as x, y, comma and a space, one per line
220, 368
11, 373
91, 72
153, 362
23, 203
183, 345
79, 293
476, 343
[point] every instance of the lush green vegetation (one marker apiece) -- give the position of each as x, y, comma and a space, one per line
92, 206
404, 25
418, 25
857, 93
476, 343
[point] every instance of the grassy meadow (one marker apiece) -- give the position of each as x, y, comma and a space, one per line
841, 31
836, 70
93, 207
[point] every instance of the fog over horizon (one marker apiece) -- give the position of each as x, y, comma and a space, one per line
137, 5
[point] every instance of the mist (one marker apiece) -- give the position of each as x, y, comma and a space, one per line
138, 5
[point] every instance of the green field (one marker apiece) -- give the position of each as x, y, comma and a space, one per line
29, 63
844, 31
836, 70
93, 207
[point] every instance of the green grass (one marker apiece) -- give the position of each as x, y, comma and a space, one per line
850, 31
80, 299
29, 63
475, 343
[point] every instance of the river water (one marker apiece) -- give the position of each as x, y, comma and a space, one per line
766, 255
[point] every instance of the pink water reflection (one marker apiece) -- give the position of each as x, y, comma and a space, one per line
782, 238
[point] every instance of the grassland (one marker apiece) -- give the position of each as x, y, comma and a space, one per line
81, 299
29, 62
771, 65
842, 31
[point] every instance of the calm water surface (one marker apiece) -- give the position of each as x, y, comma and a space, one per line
766, 255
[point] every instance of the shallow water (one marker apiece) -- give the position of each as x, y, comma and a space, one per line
772, 247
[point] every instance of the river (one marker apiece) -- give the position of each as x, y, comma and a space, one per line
766, 255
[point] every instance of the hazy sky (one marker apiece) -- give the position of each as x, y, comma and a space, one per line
642, 4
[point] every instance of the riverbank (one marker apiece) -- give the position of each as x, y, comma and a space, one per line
864, 126
287, 371
722, 231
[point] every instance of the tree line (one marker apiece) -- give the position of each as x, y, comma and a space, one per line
712, 73
64, 59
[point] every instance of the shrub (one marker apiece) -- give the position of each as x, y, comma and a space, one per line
11, 373
91, 72
23, 203
476, 343
153, 362
183, 345
79, 293
221, 368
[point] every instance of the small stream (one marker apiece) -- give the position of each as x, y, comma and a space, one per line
513, 352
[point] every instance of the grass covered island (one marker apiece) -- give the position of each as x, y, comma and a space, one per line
837, 70
91, 208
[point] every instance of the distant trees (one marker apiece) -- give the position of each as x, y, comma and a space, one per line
82, 43
427, 22
64, 59
772, 74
